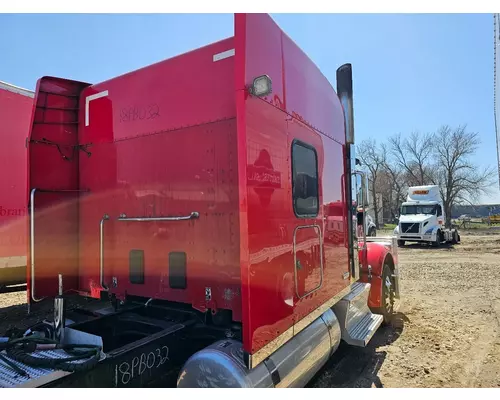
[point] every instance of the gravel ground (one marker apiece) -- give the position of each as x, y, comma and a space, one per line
14, 310
446, 334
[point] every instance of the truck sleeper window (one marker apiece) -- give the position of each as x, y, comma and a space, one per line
305, 191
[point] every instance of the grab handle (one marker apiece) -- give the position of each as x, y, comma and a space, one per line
193, 215
101, 250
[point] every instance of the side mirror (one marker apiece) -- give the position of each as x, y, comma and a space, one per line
362, 192
365, 191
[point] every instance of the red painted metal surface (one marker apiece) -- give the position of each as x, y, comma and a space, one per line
162, 141
53, 155
15, 109
183, 136
271, 300
165, 138
375, 255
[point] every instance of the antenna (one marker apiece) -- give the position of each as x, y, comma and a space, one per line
496, 83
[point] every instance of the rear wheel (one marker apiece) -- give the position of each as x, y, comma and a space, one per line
372, 232
454, 237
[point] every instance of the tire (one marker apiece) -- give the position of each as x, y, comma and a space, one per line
454, 237
373, 232
388, 294
401, 243
439, 239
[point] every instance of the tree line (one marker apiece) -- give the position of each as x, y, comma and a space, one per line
440, 158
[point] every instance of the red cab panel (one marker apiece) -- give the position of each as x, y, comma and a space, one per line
291, 264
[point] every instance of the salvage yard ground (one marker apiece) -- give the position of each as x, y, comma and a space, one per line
446, 334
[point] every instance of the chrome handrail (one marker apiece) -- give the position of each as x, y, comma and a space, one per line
32, 245
101, 250
123, 217
193, 215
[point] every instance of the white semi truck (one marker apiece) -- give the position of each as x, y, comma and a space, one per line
422, 218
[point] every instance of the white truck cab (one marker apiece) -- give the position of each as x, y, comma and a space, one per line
422, 218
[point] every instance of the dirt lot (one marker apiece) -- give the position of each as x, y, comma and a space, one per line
447, 333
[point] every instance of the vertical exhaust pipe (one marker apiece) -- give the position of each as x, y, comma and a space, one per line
59, 314
344, 92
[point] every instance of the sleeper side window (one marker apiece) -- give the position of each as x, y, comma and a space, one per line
439, 211
305, 185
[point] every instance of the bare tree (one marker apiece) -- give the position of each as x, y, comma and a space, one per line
459, 179
413, 155
373, 157
398, 183
385, 190
442, 158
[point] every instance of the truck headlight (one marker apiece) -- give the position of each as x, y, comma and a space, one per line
429, 231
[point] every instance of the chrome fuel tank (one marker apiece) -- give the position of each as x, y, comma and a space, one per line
292, 365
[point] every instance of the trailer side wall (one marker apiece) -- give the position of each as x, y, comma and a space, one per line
15, 110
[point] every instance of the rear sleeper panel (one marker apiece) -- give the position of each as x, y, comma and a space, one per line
151, 181
163, 143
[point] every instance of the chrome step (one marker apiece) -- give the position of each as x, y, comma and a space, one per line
357, 323
361, 332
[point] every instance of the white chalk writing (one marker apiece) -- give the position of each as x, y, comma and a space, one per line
128, 370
